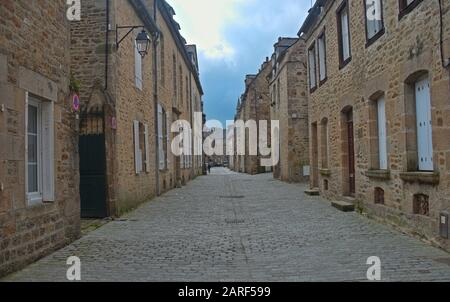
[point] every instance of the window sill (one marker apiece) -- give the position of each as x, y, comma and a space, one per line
312, 90
379, 174
323, 81
375, 38
325, 172
343, 64
408, 9
429, 178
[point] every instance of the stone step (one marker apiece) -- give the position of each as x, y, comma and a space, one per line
312, 192
343, 206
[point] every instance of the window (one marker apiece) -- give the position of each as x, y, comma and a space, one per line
374, 20
379, 196
181, 86
39, 151
278, 93
174, 80
343, 34
141, 147
382, 137
322, 58
424, 125
163, 138
406, 6
137, 67
312, 67
421, 205
163, 61
324, 143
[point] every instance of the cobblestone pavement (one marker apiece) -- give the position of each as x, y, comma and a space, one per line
233, 227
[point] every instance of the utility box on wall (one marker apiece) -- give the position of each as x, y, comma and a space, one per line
444, 224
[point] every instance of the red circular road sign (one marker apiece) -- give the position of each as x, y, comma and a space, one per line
76, 102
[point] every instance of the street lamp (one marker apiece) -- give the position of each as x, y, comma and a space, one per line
142, 39
142, 42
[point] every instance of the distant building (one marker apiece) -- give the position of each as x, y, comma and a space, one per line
289, 106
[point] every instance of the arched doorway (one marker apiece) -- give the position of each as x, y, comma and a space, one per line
92, 151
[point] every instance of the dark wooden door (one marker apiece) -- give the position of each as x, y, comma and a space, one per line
92, 176
351, 158
92, 165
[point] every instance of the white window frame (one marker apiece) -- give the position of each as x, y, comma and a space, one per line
45, 152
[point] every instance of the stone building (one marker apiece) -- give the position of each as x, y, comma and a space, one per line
254, 105
379, 109
130, 101
288, 90
39, 180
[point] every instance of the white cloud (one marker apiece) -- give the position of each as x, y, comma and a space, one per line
204, 21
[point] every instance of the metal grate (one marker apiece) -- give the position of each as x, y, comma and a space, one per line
234, 221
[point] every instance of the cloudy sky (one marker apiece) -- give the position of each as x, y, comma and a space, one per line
233, 38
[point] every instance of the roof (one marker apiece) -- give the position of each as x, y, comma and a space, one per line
312, 17
167, 13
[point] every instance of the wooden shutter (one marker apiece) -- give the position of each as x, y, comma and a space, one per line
168, 126
48, 142
160, 138
382, 137
137, 151
147, 150
424, 126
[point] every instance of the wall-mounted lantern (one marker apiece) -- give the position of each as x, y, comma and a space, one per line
142, 39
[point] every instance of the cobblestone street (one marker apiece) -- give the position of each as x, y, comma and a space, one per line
233, 227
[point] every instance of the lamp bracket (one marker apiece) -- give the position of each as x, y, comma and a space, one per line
130, 30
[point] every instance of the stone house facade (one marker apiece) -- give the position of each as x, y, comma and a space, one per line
379, 109
254, 105
39, 179
288, 90
129, 103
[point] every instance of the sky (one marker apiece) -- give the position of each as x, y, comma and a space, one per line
233, 38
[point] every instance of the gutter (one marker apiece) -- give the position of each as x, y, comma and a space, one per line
155, 101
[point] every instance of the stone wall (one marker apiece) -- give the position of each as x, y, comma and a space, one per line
291, 110
34, 59
408, 49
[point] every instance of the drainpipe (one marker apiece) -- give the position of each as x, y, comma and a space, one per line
155, 99
107, 45
192, 124
445, 61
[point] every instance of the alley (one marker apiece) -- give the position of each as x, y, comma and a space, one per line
234, 227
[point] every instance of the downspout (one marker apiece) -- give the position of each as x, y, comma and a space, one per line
107, 45
192, 123
441, 37
155, 100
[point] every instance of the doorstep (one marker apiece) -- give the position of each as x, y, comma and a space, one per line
313, 192
343, 206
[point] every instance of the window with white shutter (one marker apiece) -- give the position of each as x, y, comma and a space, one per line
382, 137
39, 152
138, 66
137, 149
312, 66
424, 125
322, 57
161, 138
147, 149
